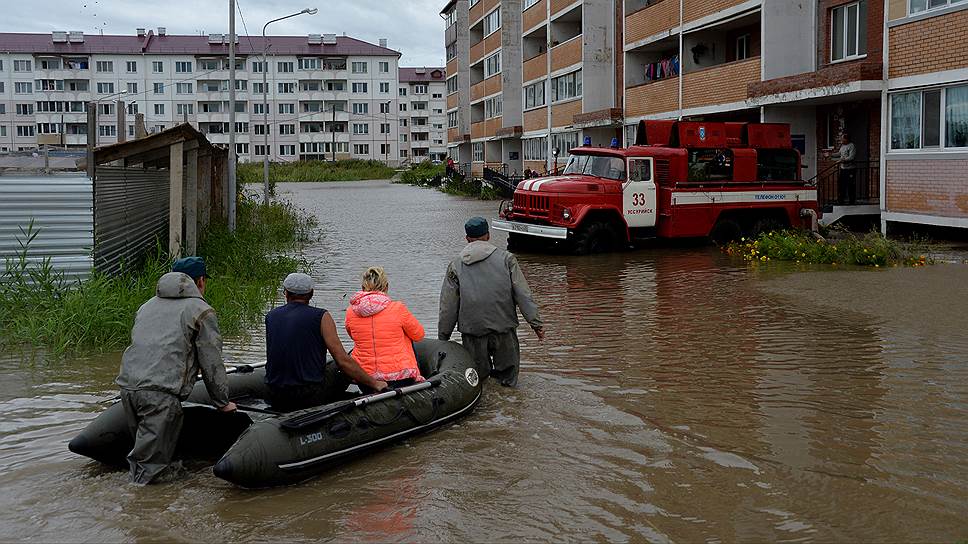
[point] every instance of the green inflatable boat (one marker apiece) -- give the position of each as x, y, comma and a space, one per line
257, 447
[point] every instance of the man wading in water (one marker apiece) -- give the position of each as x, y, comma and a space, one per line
175, 335
481, 290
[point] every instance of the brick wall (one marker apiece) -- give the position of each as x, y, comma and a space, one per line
477, 91
491, 126
534, 15
452, 66
656, 97
566, 54
477, 52
477, 130
453, 135
859, 70
697, 9
558, 5
651, 20
720, 84
930, 45
489, 5
563, 114
492, 85
453, 100
934, 187
536, 67
476, 12
875, 30
492, 43
536, 119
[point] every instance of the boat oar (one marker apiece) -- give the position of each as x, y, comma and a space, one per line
302, 421
243, 368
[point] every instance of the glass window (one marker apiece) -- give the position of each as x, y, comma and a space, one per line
906, 120
593, 165
918, 6
956, 117
640, 170
492, 21
931, 118
848, 31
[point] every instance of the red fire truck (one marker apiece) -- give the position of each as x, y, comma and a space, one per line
680, 180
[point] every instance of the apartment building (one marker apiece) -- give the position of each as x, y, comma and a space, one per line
422, 117
322, 96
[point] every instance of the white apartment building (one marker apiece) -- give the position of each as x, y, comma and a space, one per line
325, 95
422, 116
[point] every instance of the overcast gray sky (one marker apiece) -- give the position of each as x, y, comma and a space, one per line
413, 27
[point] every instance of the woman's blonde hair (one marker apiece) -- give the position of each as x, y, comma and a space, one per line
375, 279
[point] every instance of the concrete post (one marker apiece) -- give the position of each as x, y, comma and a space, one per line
91, 136
204, 190
140, 130
175, 198
122, 122
191, 201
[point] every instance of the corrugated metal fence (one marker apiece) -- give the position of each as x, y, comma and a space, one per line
60, 206
130, 215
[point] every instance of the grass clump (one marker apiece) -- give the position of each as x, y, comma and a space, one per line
299, 171
872, 249
39, 307
423, 172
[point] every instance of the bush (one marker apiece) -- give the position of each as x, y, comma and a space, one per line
423, 172
872, 249
348, 170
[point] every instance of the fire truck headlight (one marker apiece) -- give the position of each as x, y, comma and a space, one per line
566, 214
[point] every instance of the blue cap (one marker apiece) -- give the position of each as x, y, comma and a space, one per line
193, 266
475, 227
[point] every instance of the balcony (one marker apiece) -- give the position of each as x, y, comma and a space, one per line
453, 100
492, 85
564, 114
566, 54
492, 43
720, 84
697, 9
534, 15
536, 67
477, 52
558, 5
477, 91
491, 126
453, 135
475, 13
319, 96
536, 119
212, 117
478, 130
657, 17
652, 98
452, 66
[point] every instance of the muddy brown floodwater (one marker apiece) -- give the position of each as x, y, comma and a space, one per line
679, 396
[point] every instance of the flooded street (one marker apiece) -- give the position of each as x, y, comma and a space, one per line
679, 396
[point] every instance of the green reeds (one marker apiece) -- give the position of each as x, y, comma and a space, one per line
347, 170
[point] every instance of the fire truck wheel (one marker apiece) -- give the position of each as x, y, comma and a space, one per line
520, 242
767, 224
725, 231
595, 237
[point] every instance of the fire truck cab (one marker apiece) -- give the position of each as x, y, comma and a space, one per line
679, 180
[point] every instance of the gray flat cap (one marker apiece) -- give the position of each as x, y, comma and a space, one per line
298, 283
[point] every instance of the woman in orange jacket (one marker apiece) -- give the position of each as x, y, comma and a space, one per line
384, 331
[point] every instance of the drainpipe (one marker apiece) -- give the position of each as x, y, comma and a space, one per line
885, 103
682, 63
548, 158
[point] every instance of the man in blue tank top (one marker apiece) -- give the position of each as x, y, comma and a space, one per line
297, 338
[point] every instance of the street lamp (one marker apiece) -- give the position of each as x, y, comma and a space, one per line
265, 97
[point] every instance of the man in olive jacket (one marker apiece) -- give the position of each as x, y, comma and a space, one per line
175, 335
482, 290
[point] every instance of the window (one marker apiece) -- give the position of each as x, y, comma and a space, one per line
535, 149
287, 88
403, 153
452, 85
260, 150
258, 67
1, 86
534, 95
185, 109
384, 67
25, 109
158, 88
359, 87
402, 91
452, 51
287, 150
384, 107
105, 88
598, 166
310, 85
403, 138
473, 3
361, 149
492, 65
105, 66
419, 89
241, 149
933, 118
403, 106
384, 128
527, 4
385, 87
361, 108
477, 152
107, 130
335, 86
25, 131
259, 130
284, 67
361, 128
132, 88
309, 64
21, 66
312, 107
437, 95
159, 109
183, 88
259, 88
848, 31
403, 122
26, 87
48, 128
287, 109
493, 107
564, 142
183, 67
49, 85
384, 149
359, 67
157, 66
259, 109
49, 64
452, 119
918, 6
743, 47
492, 21
640, 170
566, 87
133, 108
287, 129
106, 109
208, 65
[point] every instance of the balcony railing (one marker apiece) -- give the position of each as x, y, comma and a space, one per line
566, 54
861, 185
653, 19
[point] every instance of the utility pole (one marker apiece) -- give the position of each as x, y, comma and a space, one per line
265, 117
232, 158
332, 128
386, 135
91, 136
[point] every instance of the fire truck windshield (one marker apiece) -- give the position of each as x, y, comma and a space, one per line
598, 166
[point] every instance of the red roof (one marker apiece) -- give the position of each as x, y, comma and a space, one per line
185, 45
410, 75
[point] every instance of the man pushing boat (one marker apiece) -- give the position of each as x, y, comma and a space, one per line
175, 335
